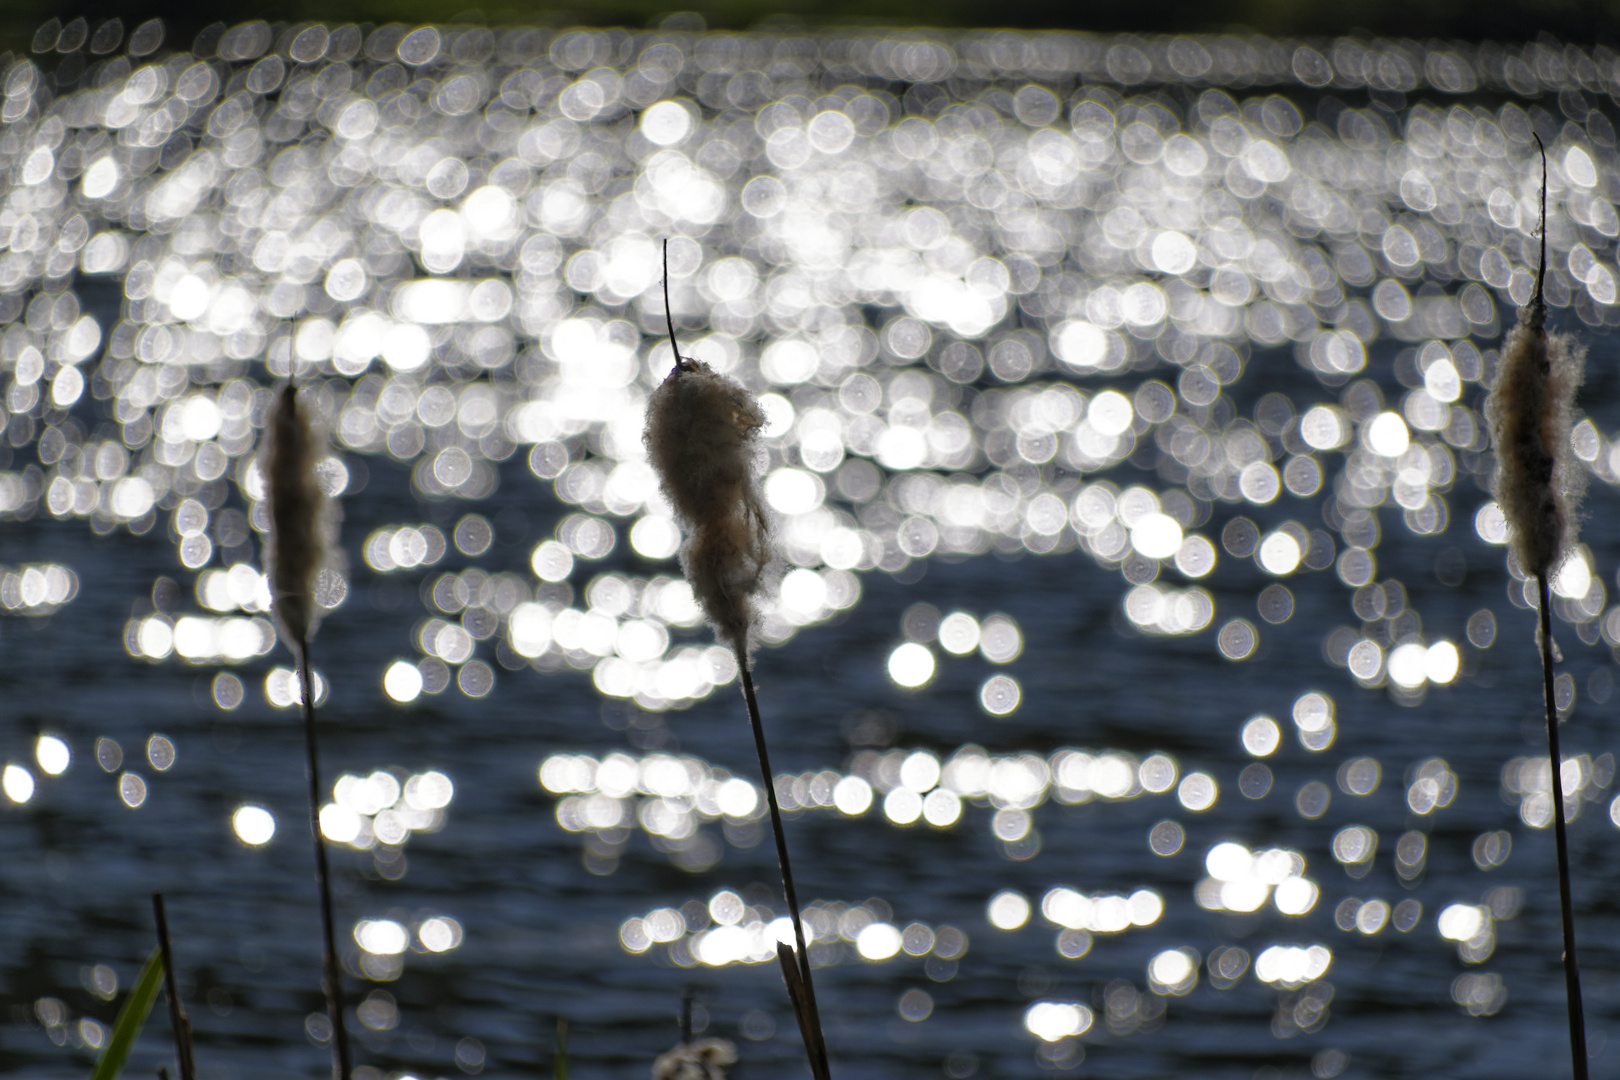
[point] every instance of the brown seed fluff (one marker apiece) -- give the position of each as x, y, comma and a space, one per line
295, 549
1531, 410
704, 1059
700, 436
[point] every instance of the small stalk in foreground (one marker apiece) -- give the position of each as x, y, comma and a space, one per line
177, 1011
299, 525
1531, 411
700, 436
694, 1059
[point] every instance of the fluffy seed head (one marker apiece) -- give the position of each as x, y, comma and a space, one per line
300, 517
1531, 410
705, 1059
700, 436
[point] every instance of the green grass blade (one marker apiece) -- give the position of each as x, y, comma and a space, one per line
559, 1067
131, 1018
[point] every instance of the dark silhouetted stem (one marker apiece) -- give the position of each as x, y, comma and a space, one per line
815, 1042
1572, 971
177, 1011
669, 316
1538, 302
681, 364
332, 972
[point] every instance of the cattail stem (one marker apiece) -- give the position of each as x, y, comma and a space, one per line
177, 1011
1572, 971
332, 977
810, 1023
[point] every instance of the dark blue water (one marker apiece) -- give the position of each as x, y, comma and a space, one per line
1067, 207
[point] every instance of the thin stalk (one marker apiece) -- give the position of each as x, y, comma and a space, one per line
177, 1011
332, 973
815, 1041
669, 316
1572, 971
1541, 275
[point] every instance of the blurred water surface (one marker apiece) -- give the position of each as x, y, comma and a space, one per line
1149, 689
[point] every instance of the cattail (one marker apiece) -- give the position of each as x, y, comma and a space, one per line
704, 1059
300, 517
301, 521
1531, 410
700, 434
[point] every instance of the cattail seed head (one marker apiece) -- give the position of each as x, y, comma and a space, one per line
1531, 411
700, 435
705, 1059
301, 517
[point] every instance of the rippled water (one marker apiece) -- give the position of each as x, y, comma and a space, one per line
1151, 693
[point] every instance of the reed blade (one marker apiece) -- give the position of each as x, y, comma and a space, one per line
131, 1019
